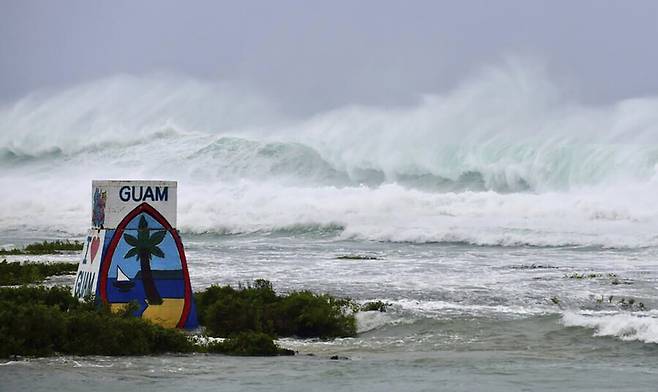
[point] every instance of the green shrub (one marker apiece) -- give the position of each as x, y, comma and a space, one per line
58, 296
37, 321
225, 311
16, 273
249, 344
374, 305
30, 329
102, 332
305, 314
45, 247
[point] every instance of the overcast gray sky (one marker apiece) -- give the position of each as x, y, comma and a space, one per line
313, 55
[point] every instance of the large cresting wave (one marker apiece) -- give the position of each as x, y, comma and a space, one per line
505, 158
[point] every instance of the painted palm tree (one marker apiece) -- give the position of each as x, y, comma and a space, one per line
145, 246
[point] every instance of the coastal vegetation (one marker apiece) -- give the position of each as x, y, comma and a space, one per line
248, 344
40, 321
374, 306
45, 248
16, 273
225, 311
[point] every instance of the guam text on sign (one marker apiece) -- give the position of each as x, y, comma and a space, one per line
113, 200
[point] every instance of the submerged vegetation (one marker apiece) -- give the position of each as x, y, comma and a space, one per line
533, 266
604, 301
357, 257
612, 277
248, 344
580, 276
621, 303
40, 321
45, 248
16, 273
630, 304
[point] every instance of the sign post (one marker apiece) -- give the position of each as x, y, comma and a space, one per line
133, 253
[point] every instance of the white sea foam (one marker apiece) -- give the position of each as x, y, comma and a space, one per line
434, 308
369, 321
625, 326
505, 159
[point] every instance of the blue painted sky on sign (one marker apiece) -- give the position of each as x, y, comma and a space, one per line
131, 266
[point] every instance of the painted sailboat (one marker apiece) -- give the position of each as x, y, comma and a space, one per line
123, 282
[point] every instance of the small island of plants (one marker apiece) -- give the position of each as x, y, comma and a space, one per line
41, 321
16, 273
45, 248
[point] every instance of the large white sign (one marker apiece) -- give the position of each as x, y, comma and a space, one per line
113, 200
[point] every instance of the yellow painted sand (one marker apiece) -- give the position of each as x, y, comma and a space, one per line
166, 314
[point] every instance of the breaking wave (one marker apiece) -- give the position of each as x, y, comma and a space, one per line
506, 158
627, 326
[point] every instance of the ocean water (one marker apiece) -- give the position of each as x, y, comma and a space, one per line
510, 227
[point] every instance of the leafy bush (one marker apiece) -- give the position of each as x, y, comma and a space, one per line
102, 332
374, 305
16, 273
226, 311
59, 297
45, 247
249, 344
307, 315
30, 329
37, 321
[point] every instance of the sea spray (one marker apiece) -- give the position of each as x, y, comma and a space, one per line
507, 158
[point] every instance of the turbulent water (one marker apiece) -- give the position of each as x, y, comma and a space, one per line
511, 226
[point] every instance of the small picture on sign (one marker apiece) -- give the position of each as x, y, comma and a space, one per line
98, 218
123, 282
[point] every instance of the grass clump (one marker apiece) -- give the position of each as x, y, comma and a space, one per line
357, 257
249, 344
38, 321
612, 277
629, 304
16, 273
45, 248
534, 266
226, 311
580, 276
